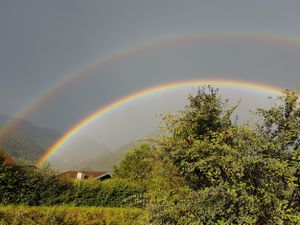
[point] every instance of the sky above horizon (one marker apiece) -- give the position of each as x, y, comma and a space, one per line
43, 42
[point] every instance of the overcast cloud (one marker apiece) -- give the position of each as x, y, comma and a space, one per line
41, 42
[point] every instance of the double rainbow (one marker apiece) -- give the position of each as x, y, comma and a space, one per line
258, 37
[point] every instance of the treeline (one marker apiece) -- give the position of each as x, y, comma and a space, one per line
26, 185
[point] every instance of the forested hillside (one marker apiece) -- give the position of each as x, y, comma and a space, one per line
27, 141
21, 148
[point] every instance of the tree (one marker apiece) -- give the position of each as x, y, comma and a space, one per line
280, 124
138, 164
280, 129
235, 174
203, 130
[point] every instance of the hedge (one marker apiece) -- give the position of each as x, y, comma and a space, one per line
27, 186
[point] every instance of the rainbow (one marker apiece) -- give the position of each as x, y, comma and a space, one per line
135, 49
152, 90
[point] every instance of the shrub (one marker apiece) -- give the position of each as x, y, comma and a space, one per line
27, 185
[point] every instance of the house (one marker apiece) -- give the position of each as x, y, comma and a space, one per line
83, 175
7, 159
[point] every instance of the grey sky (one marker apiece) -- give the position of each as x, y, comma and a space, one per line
43, 41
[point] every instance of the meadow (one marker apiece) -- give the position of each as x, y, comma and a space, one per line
16, 215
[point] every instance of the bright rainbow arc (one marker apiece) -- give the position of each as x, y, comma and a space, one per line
148, 91
124, 52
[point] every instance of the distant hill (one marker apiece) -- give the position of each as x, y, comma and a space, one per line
21, 147
29, 141
107, 161
40, 135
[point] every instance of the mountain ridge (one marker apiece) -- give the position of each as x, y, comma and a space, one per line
29, 141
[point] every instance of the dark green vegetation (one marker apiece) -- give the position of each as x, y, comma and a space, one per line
41, 187
16, 215
204, 168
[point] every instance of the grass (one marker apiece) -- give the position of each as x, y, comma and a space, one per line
17, 215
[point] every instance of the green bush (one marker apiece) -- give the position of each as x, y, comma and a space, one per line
15, 215
29, 186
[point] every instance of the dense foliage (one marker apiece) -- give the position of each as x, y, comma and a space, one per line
21, 184
213, 170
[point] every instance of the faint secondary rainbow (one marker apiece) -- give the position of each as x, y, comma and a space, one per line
148, 91
128, 51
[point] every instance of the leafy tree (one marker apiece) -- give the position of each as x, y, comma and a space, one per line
280, 128
280, 124
235, 174
145, 165
202, 130
137, 164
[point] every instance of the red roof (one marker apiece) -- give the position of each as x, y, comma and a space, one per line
87, 174
7, 158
